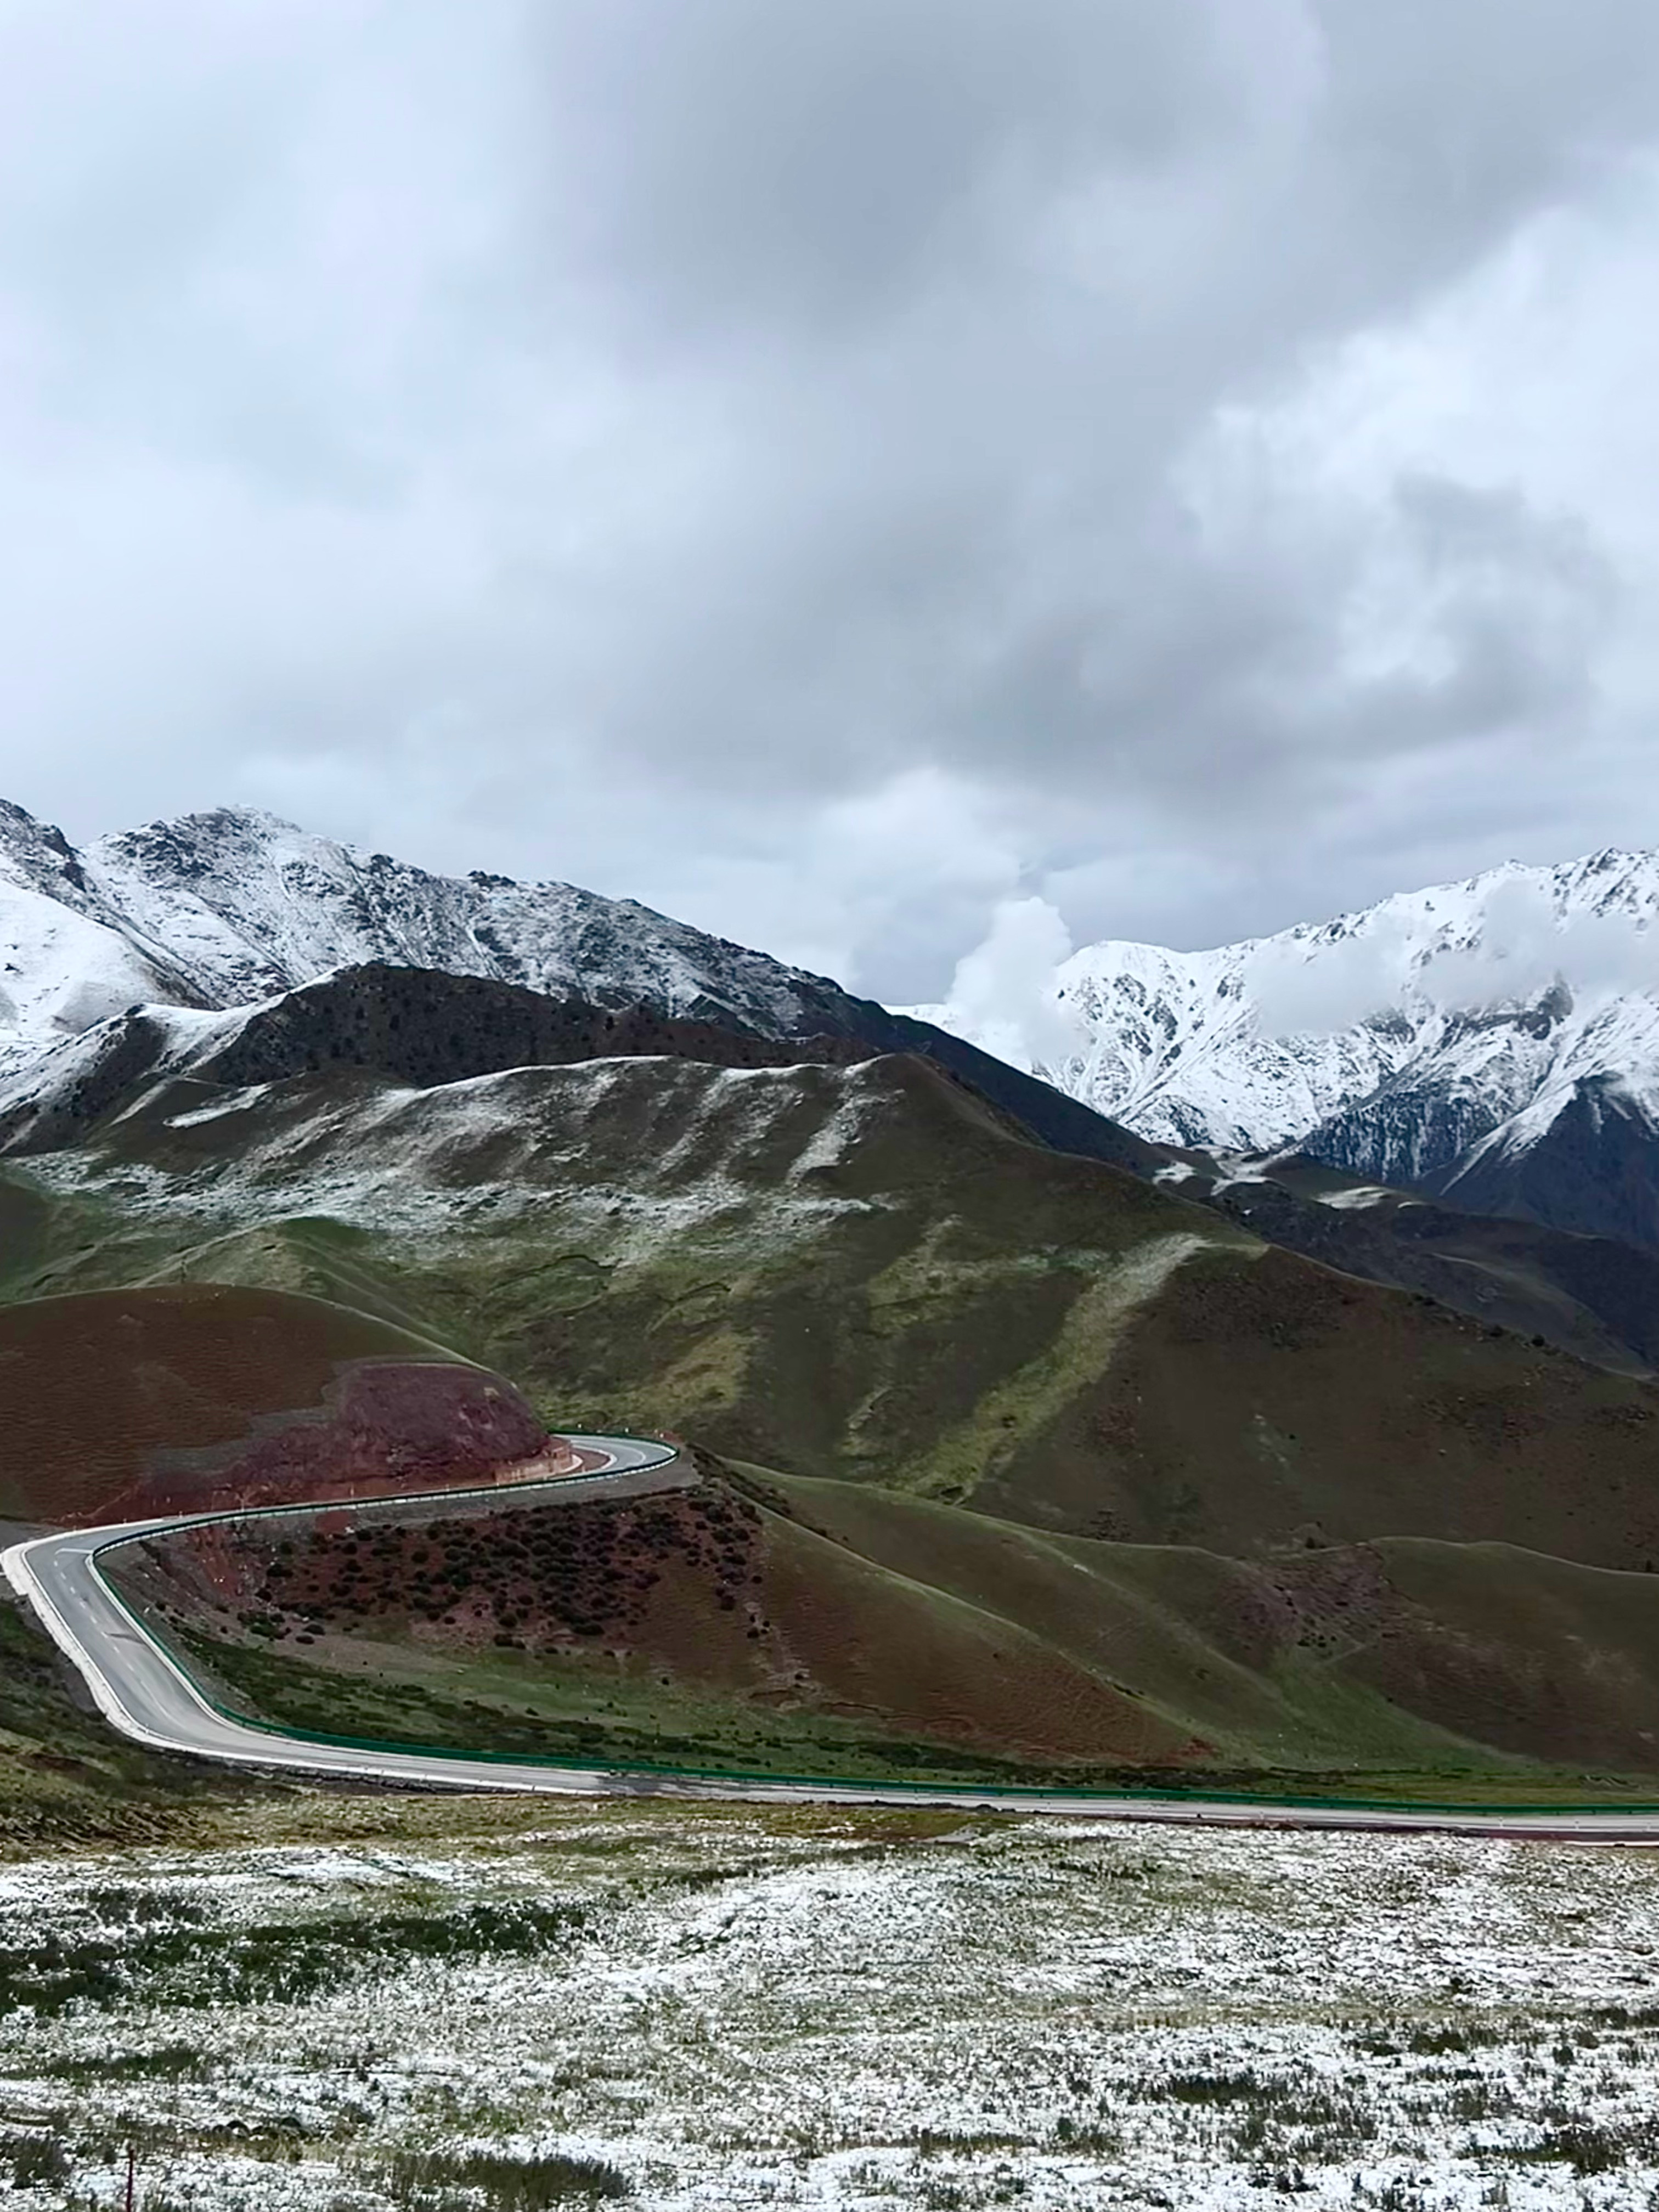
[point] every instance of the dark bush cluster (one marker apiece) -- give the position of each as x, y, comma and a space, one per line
524, 1576
37, 2159
271, 1963
425, 2180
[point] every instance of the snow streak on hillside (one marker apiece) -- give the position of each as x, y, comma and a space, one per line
111, 959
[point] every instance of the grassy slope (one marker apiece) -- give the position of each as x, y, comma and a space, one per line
865, 1273
866, 1276
1405, 1651
66, 1777
883, 1634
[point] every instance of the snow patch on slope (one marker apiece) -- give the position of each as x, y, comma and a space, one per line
60, 973
732, 1154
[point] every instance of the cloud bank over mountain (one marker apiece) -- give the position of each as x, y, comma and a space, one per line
828, 472
1515, 941
1516, 946
1004, 993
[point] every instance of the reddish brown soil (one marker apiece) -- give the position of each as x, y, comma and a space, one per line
390, 1427
190, 1396
707, 1589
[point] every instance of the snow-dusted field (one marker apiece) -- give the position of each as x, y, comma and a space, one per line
731, 2007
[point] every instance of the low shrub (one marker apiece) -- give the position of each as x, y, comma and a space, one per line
424, 2180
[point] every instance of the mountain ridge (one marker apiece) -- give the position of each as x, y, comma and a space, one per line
862, 1271
234, 881
232, 908
908, 1290
1437, 1040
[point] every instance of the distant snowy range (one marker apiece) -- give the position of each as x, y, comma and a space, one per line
1494, 1042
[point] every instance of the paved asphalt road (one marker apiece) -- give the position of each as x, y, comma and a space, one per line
143, 1693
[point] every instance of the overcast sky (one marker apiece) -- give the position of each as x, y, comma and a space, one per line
824, 468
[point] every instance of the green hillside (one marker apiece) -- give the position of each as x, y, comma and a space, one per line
794, 1626
1075, 1477
866, 1273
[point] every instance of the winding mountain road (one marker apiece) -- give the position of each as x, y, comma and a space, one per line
141, 1690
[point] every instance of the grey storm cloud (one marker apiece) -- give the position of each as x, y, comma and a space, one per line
750, 165
830, 469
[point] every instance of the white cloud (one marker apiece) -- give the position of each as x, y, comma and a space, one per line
1341, 984
1004, 992
1518, 947
868, 888
1523, 947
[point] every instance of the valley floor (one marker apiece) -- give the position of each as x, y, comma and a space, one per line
691, 2008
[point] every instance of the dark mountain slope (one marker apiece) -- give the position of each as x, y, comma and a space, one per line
422, 1027
1592, 1296
234, 907
426, 1027
228, 907
1596, 1167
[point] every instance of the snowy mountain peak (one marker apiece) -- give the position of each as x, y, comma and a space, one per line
34, 856
222, 911
1463, 1037
224, 907
1397, 1041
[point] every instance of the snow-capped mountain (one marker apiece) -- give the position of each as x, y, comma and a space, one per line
231, 948
1495, 1040
232, 908
225, 908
